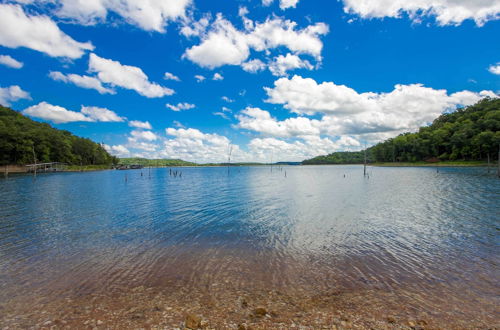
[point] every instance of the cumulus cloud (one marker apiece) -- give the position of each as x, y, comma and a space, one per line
125, 76
143, 146
227, 99
495, 69
149, 15
54, 113
346, 111
281, 64
193, 145
10, 62
199, 78
253, 66
224, 44
140, 124
194, 28
284, 4
170, 76
11, 94
446, 12
60, 115
143, 135
40, 33
272, 149
180, 106
258, 120
217, 76
117, 150
81, 81
101, 114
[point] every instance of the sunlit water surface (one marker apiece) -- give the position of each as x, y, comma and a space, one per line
418, 238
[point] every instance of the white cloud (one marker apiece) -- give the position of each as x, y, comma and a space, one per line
227, 99
81, 81
170, 76
149, 15
193, 145
259, 120
180, 106
39, 33
199, 78
54, 113
220, 114
60, 115
495, 69
11, 94
281, 64
140, 124
253, 66
101, 114
117, 150
267, 149
10, 62
346, 111
125, 76
243, 11
196, 28
143, 135
284, 4
223, 44
141, 145
446, 12
217, 76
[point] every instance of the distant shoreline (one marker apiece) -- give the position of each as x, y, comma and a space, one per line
12, 169
438, 164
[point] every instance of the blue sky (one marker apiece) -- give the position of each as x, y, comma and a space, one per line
283, 80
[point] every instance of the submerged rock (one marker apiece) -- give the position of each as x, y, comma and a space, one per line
260, 312
193, 321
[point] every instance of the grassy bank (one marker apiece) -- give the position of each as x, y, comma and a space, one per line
85, 168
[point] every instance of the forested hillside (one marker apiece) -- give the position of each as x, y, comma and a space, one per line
20, 136
343, 157
472, 133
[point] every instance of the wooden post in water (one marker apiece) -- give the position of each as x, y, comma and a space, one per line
229, 152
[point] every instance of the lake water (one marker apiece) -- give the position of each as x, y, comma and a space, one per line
402, 245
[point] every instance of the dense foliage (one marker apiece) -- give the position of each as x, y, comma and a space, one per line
154, 162
472, 133
344, 157
20, 136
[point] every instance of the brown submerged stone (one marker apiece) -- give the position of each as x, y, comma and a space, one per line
260, 312
193, 321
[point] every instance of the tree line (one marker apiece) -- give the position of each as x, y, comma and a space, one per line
23, 139
471, 133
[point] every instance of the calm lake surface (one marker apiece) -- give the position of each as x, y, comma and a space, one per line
409, 242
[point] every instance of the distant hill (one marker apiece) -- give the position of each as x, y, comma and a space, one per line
154, 162
343, 157
468, 134
22, 138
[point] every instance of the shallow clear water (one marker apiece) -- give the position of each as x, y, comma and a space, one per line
420, 237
